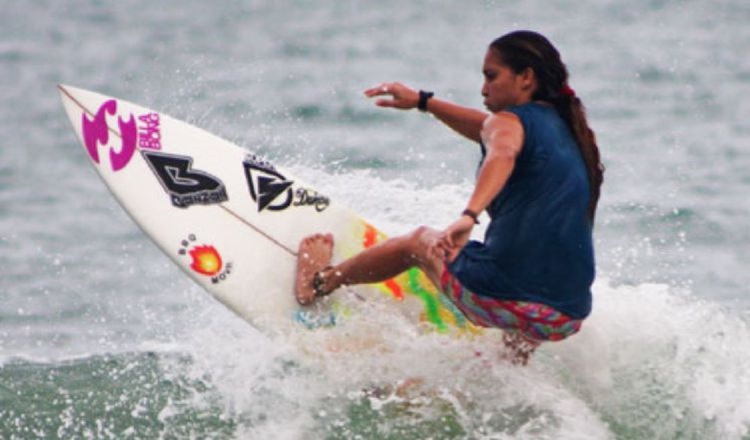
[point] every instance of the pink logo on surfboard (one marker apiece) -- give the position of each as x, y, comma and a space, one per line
96, 134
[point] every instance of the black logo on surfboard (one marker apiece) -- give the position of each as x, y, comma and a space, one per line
185, 185
272, 191
268, 187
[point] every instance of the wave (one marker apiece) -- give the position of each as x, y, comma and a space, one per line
649, 363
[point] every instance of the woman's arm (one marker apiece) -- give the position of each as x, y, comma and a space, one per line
503, 135
464, 120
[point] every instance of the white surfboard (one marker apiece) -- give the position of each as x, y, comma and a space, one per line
229, 219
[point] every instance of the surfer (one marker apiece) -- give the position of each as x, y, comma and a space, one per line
539, 181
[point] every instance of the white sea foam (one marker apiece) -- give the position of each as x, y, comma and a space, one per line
650, 360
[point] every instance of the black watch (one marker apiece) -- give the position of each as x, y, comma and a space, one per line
474, 216
423, 98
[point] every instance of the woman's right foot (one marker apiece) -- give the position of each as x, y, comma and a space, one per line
315, 253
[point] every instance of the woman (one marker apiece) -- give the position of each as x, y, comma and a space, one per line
539, 182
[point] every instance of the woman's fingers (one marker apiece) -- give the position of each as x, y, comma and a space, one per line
402, 97
436, 247
380, 90
385, 102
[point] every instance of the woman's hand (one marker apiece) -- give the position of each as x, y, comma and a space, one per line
402, 97
453, 239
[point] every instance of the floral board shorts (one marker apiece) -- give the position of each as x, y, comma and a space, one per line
534, 321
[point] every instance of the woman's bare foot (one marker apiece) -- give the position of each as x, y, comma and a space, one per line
314, 254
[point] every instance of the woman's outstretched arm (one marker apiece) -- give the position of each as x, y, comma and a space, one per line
464, 120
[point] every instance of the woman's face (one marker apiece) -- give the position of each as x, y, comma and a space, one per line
502, 87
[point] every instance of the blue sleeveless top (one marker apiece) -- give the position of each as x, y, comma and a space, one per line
538, 246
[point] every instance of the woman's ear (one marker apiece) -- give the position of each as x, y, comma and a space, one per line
528, 79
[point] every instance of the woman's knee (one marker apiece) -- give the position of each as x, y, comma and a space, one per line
422, 233
419, 243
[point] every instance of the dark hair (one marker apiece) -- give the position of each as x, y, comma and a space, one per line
521, 50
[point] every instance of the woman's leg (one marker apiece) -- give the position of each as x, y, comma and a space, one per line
378, 263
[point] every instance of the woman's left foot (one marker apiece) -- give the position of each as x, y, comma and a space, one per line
315, 253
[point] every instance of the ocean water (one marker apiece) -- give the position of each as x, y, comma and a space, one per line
102, 337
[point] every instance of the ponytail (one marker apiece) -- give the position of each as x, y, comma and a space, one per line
570, 107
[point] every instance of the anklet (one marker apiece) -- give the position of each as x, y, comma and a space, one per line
318, 283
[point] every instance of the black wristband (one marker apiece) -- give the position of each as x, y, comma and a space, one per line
423, 98
472, 214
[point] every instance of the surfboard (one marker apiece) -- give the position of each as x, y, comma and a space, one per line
230, 219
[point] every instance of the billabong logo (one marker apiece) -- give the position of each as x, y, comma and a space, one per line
268, 188
149, 131
185, 185
96, 132
205, 259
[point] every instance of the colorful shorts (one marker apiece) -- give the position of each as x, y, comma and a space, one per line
535, 321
